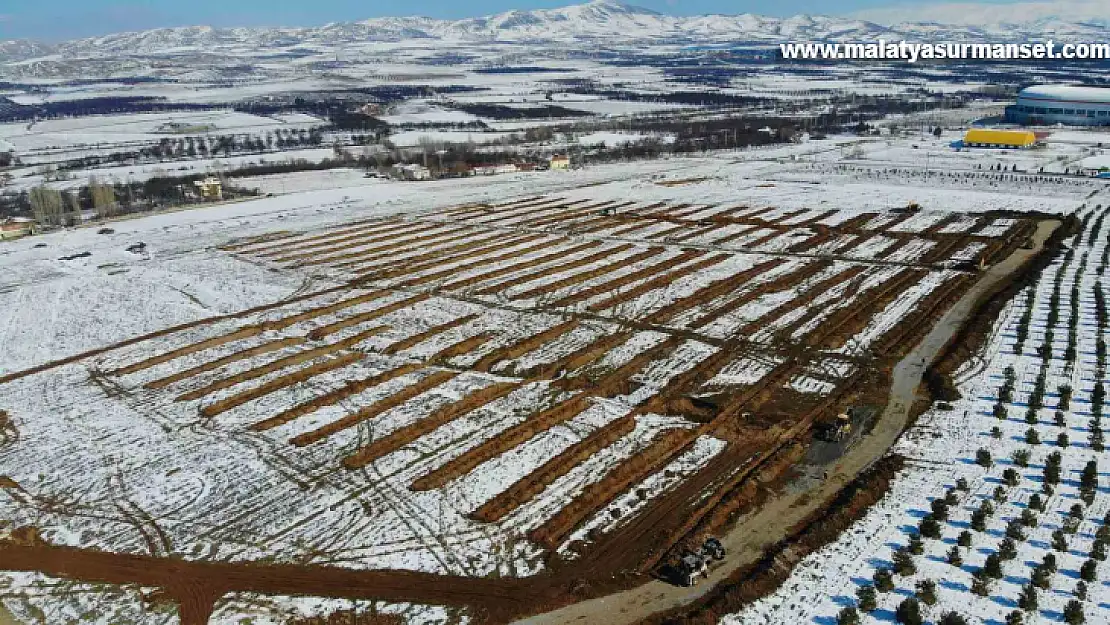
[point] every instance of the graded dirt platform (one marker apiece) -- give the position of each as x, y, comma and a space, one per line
493, 406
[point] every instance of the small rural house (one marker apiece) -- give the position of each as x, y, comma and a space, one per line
412, 172
16, 227
210, 189
560, 161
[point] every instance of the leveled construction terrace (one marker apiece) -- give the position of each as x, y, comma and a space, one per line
491, 389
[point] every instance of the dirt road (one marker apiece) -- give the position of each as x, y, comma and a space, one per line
748, 539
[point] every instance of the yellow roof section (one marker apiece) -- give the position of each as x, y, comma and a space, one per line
1018, 138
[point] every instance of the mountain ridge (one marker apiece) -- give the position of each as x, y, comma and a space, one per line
610, 20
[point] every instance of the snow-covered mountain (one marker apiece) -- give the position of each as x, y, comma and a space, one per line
1037, 14
612, 21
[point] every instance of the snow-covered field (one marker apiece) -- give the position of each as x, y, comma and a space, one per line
993, 448
208, 445
143, 127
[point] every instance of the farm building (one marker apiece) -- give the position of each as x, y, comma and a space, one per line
493, 170
560, 162
16, 227
210, 189
988, 138
1061, 104
412, 172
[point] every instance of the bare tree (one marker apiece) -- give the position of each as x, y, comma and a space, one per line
103, 198
46, 205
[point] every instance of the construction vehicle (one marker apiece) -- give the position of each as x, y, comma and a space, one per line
838, 428
692, 564
713, 549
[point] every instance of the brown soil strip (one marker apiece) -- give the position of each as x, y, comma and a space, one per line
553, 532
847, 321
694, 231
277, 365
4, 379
674, 397
588, 275
576, 359
437, 259
944, 248
511, 216
326, 257
339, 236
943, 223
377, 408
616, 283
898, 338
821, 235
265, 348
239, 244
585, 226
851, 246
325, 331
583, 211
196, 585
619, 381
665, 234
313, 313
854, 225
711, 291
528, 264
413, 232
524, 346
502, 442
438, 254
659, 282
277, 384
354, 226
899, 243
804, 299
888, 227
792, 214
647, 210
682, 211
764, 239
817, 219
334, 397
545, 244
531, 485
538, 204
780, 283
464, 346
630, 229
734, 236
440, 417
467, 209
416, 339
215, 341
